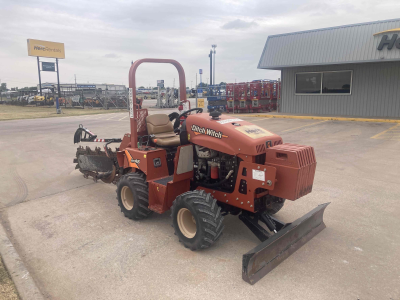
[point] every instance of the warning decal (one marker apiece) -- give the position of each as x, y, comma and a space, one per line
254, 131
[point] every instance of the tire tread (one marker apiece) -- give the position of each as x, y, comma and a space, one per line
209, 214
136, 181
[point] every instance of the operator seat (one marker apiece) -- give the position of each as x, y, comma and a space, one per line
162, 128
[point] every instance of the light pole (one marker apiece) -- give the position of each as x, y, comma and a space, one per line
214, 46
191, 84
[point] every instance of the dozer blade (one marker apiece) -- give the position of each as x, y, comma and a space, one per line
265, 257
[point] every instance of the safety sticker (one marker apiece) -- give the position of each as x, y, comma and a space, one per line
229, 121
258, 175
254, 131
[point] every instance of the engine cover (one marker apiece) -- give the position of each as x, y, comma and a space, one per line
229, 135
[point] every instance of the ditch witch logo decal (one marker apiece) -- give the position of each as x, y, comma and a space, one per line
389, 42
211, 132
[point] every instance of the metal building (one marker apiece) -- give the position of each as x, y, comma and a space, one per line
351, 70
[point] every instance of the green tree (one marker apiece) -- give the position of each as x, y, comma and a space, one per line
141, 87
3, 87
222, 83
203, 84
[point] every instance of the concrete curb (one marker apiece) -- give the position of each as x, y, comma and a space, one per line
321, 118
23, 281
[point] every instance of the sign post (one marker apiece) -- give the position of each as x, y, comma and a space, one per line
58, 80
40, 48
40, 81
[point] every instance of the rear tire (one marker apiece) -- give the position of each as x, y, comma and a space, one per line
197, 219
133, 196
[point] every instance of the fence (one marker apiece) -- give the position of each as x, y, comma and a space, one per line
255, 96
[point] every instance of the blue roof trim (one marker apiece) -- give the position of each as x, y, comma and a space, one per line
335, 27
329, 64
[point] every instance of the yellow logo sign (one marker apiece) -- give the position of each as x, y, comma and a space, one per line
45, 49
389, 42
200, 102
388, 31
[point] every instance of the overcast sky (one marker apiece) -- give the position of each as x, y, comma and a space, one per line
102, 37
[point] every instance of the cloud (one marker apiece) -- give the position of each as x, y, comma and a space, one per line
111, 55
101, 40
239, 24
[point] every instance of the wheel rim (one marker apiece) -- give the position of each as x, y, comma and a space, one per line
127, 197
186, 223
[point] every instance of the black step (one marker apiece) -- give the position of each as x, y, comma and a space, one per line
164, 180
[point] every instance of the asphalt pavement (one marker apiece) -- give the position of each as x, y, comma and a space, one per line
76, 244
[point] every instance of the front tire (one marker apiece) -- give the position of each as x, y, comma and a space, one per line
197, 219
133, 196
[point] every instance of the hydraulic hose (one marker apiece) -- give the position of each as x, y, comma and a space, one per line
212, 185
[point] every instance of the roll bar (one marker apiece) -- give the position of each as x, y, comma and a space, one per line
132, 85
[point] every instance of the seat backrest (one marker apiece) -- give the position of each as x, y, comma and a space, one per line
159, 123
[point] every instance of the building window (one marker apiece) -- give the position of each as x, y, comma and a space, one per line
336, 82
325, 83
308, 83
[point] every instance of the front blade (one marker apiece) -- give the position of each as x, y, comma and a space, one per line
265, 257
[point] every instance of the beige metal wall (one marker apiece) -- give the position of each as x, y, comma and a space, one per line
375, 92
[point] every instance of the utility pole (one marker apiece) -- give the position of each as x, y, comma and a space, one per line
210, 56
214, 46
196, 89
75, 81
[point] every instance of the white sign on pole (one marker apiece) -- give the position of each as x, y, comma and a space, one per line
130, 103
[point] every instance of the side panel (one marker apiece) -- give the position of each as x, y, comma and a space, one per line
181, 165
157, 193
161, 197
174, 189
152, 162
